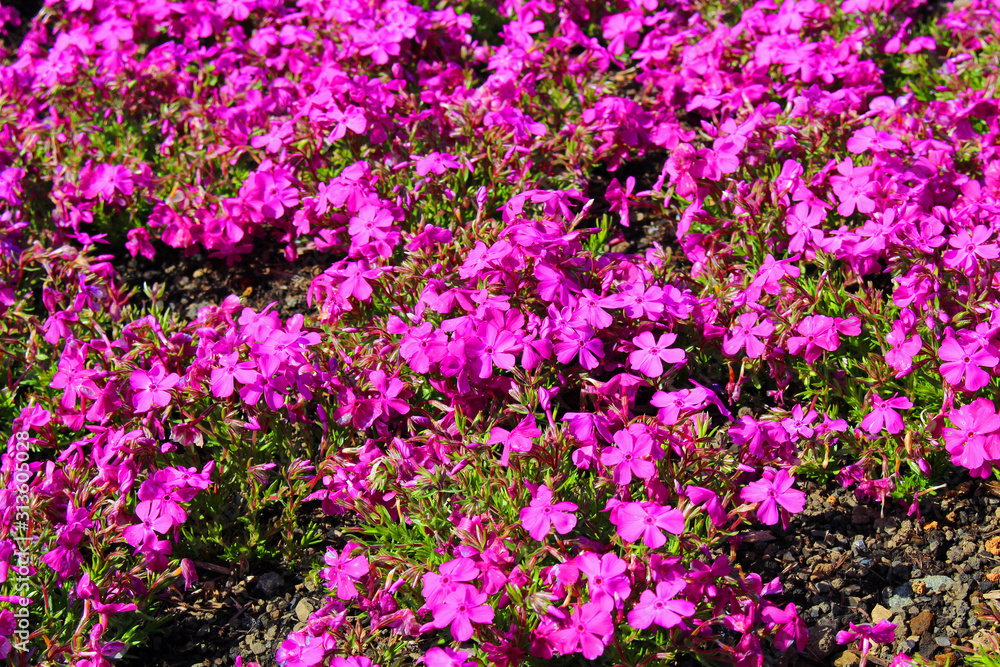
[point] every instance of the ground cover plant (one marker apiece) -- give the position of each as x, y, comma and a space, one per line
543, 448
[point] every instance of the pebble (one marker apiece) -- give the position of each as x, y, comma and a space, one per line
922, 623
270, 584
880, 613
303, 609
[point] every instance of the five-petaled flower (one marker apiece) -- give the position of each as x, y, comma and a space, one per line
540, 516
776, 496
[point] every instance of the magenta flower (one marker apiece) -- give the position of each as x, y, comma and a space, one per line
628, 456
851, 187
647, 520
370, 224
776, 496
618, 198
973, 441
492, 347
453, 574
968, 249
342, 571
671, 405
585, 631
791, 628
230, 369
747, 332
817, 333
653, 353
884, 413
882, 632
900, 357
152, 388
964, 358
661, 607
520, 439
608, 583
301, 649
448, 657
540, 516
799, 424
460, 610
435, 163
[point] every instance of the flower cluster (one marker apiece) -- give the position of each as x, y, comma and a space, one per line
543, 433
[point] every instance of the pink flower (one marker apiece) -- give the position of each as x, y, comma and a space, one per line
301, 649
964, 358
628, 456
747, 332
608, 584
453, 574
973, 441
647, 520
520, 439
652, 353
884, 412
618, 198
448, 657
230, 369
968, 249
540, 516
585, 631
900, 357
851, 187
817, 333
799, 425
342, 571
460, 610
791, 628
882, 632
435, 163
671, 405
661, 607
772, 491
152, 388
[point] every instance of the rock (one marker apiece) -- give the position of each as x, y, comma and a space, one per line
937, 582
956, 554
847, 659
270, 584
943, 642
822, 642
258, 648
902, 596
922, 623
303, 609
919, 587
880, 613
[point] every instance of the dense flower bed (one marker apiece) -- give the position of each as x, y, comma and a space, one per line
546, 447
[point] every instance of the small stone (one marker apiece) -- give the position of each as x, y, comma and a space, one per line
946, 660
822, 642
270, 584
937, 582
919, 587
942, 641
956, 554
880, 613
311, 586
258, 648
847, 659
303, 609
922, 623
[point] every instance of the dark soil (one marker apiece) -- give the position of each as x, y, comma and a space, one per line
192, 282
847, 562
